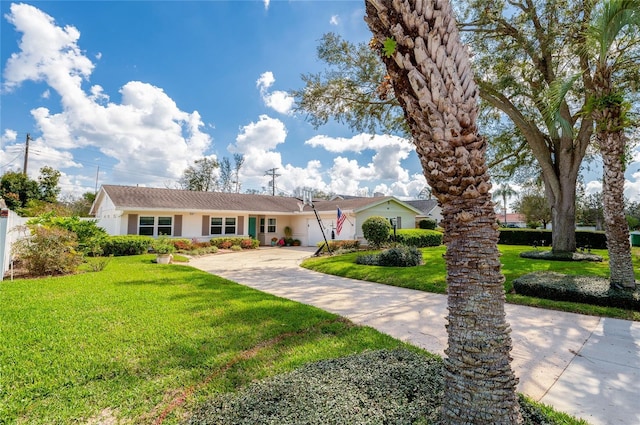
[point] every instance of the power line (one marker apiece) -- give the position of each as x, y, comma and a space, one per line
272, 173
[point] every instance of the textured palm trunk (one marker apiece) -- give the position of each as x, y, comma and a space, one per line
615, 222
433, 81
612, 141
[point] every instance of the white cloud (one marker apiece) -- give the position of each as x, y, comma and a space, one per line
147, 137
279, 101
266, 4
334, 20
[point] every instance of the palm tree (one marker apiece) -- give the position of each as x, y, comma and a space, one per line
504, 191
608, 109
431, 74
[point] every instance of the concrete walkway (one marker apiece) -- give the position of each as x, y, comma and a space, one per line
586, 366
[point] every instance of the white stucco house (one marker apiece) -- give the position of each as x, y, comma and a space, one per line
130, 210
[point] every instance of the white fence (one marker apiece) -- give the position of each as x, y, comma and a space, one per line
9, 222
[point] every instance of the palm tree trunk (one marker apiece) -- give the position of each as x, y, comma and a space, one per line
433, 81
615, 223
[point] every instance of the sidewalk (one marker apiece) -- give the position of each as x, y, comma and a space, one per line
586, 366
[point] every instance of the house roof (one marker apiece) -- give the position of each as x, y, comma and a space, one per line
424, 205
133, 197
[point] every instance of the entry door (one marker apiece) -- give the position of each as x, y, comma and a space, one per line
252, 227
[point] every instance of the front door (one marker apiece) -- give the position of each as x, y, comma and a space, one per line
252, 227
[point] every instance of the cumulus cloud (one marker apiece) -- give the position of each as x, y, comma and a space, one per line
278, 100
146, 136
266, 4
334, 20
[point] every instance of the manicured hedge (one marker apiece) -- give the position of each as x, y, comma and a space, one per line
346, 244
420, 238
228, 242
580, 289
125, 245
538, 237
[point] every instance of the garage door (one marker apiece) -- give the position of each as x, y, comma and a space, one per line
314, 232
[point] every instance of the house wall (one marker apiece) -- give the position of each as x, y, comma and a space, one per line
387, 210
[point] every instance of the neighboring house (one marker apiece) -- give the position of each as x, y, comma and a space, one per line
512, 220
429, 209
123, 210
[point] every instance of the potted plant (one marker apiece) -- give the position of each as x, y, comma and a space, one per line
163, 248
297, 242
274, 241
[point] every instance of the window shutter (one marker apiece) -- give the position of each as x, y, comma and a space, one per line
398, 222
240, 228
205, 225
177, 225
132, 225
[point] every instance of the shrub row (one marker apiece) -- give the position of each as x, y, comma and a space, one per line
420, 238
538, 237
228, 242
398, 256
344, 245
581, 289
126, 245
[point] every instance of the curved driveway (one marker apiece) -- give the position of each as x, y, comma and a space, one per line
586, 366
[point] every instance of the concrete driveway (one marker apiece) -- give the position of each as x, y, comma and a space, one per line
586, 366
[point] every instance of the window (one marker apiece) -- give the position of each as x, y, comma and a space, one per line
271, 225
230, 226
223, 225
164, 226
262, 225
216, 225
147, 226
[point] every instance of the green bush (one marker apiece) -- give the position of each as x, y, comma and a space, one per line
89, 234
580, 289
539, 237
397, 256
427, 223
419, 238
342, 245
227, 242
126, 245
376, 230
400, 256
48, 251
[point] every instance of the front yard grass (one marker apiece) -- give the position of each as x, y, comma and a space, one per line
137, 342
431, 277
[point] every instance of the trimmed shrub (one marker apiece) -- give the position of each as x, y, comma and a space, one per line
539, 237
400, 256
346, 245
427, 223
49, 251
367, 259
419, 238
249, 243
227, 242
126, 245
376, 230
579, 289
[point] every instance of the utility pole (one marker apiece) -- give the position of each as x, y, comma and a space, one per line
272, 173
26, 154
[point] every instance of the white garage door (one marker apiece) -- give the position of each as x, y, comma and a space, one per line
314, 232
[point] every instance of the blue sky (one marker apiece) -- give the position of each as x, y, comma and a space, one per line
132, 92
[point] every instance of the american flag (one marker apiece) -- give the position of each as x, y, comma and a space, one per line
341, 219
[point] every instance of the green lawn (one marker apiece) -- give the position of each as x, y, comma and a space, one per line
140, 341
431, 277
